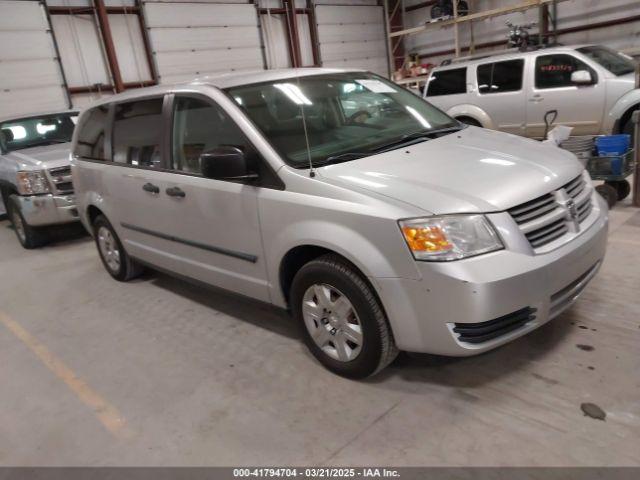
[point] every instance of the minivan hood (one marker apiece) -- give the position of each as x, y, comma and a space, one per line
474, 170
40, 158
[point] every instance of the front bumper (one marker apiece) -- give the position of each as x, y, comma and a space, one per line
424, 313
42, 210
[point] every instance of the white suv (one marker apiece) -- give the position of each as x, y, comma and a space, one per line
593, 88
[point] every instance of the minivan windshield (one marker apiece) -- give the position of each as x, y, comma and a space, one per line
346, 116
37, 131
615, 62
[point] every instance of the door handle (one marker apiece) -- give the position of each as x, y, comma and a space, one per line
151, 188
536, 99
175, 192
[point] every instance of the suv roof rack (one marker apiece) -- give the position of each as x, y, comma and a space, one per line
495, 53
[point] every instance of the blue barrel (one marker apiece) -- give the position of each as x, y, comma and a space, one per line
613, 144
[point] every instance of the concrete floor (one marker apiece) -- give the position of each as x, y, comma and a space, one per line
157, 372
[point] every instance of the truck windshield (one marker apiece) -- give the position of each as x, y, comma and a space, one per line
617, 63
37, 131
346, 116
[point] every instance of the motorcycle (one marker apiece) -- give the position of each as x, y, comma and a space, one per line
519, 35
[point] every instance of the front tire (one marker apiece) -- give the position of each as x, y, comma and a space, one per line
28, 236
342, 321
114, 257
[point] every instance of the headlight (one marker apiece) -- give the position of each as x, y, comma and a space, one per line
32, 183
450, 237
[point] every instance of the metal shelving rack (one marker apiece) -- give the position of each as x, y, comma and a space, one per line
392, 6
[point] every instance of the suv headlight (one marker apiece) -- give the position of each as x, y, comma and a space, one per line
450, 237
32, 183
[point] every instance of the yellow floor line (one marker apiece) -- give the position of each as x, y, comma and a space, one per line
106, 413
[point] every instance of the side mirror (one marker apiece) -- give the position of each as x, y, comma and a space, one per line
226, 163
581, 77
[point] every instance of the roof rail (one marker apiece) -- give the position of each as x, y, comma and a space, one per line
495, 53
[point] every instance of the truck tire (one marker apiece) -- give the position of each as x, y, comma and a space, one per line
28, 236
342, 321
113, 255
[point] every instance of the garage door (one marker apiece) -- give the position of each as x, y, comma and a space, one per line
195, 39
30, 76
352, 37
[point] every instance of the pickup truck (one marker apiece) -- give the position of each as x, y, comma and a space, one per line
35, 174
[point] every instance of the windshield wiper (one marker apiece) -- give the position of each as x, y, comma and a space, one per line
343, 157
415, 137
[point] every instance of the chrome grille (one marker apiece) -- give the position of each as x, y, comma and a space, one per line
61, 180
551, 216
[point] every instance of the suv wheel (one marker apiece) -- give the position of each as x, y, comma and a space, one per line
114, 257
28, 236
342, 321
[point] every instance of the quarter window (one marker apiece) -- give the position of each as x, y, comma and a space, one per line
137, 133
554, 71
200, 126
500, 77
91, 134
447, 82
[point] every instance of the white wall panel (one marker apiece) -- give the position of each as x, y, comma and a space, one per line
352, 36
30, 76
196, 39
80, 48
127, 39
184, 15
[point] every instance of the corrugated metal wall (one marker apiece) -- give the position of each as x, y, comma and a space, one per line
195, 39
353, 36
30, 75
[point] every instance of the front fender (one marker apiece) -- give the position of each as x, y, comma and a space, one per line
472, 111
624, 103
384, 258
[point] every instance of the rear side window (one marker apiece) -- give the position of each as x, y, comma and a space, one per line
137, 133
554, 71
91, 132
500, 77
447, 82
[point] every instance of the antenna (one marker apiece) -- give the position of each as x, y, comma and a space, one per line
292, 16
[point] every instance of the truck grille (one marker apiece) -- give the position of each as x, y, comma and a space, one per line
551, 216
61, 180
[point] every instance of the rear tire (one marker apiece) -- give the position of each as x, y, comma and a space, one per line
609, 193
113, 255
344, 316
28, 236
623, 188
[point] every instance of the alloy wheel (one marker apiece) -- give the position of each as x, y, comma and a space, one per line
332, 322
109, 249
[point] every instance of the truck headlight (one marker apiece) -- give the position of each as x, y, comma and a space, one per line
32, 183
450, 237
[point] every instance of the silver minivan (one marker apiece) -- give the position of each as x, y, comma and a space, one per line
594, 90
380, 222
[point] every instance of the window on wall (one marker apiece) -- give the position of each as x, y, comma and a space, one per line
137, 133
447, 82
200, 126
91, 134
500, 77
554, 71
